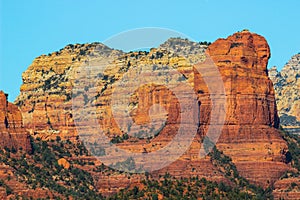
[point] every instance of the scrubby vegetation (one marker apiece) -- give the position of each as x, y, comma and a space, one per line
192, 188
40, 169
227, 167
293, 155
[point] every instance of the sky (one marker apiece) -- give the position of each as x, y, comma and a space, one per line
34, 27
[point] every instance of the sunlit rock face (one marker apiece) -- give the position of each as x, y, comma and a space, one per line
12, 132
249, 134
287, 89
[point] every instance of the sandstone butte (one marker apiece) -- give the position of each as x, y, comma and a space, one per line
250, 134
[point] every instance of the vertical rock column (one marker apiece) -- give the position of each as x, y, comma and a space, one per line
12, 133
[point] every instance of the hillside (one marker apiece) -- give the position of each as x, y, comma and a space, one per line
287, 88
61, 91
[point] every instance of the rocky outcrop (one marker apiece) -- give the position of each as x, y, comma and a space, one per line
64, 163
10, 182
287, 89
13, 135
287, 188
184, 47
46, 92
250, 134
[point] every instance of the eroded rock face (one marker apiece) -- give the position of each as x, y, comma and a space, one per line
12, 132
64, 163
287, 188
287, 89
46, 92
250, 134
18, 187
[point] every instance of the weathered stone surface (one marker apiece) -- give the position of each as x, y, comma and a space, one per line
12, 133
287, 189
19, 188
287, 89
250, 134
46, 92
64, 163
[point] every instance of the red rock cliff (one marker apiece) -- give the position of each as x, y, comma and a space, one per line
12, 133
250, 136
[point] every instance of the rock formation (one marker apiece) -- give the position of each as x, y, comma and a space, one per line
9, 178
13, 135
64, 163
287, 89
46, 93
287, 188
249, 136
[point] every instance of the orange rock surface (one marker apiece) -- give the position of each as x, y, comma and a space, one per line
287, 189
18, 187
12, 132
249, 136
64, 163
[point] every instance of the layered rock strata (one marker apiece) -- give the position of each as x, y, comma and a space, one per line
13, 134
249, 135
287, 89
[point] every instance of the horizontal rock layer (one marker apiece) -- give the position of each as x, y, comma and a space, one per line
249, 134
12, 132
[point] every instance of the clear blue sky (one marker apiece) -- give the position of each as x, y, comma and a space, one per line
31, 28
